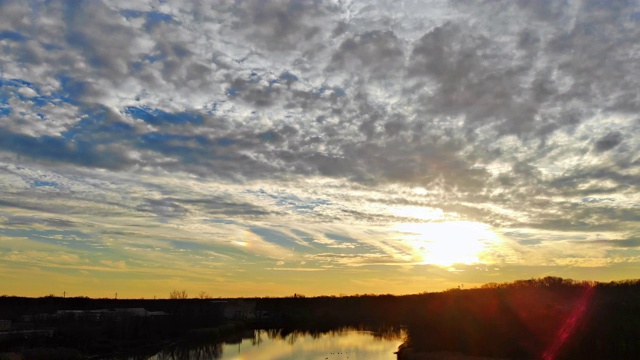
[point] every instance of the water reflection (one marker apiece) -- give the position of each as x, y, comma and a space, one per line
210, 351
348, 343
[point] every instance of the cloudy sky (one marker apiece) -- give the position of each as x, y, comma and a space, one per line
249, 148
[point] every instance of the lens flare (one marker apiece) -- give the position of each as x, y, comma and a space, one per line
569, 325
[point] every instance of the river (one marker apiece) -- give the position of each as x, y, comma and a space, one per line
342, 344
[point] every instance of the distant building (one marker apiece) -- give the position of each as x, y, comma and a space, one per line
70, 314
101, 314
141, 312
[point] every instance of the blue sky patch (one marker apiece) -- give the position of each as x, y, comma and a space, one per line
12, 35
303, 235
154, 58
160, 138
289, 77
161, 117
277, 237
268, 136
132, 14
152, 18
10, 88
254, 78
224, 141
305, 206
190, 246
14, 82
137, 66
221, 221
338, 237
597, 200
211, 109
72, 239
45, 184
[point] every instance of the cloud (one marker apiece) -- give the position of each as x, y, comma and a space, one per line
617, 243
32, 221
608, 142
245, 127
378, 54
360, 259
279, 25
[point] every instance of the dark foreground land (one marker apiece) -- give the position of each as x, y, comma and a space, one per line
548, 318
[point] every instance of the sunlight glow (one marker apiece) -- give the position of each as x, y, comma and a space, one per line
418, 212
449, 243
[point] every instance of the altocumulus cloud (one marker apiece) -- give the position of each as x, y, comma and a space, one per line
234, 136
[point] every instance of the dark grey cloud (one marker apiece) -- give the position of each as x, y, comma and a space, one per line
10, 204
100, 36
607, 175
608, 141
162, 208
59, 150
279, 25
372, 55
255, 93
479, 78
216, 206
29, 221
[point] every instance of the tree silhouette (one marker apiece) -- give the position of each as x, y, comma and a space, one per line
178, 294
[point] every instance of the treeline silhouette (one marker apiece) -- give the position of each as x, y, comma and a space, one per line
92, 335
545, 318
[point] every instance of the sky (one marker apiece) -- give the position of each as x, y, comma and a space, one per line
272, 148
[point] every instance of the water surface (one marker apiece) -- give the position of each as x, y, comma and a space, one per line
274, 345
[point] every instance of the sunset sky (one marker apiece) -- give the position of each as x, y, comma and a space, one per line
266, 148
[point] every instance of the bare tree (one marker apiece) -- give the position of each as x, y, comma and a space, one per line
203, 295
178, 294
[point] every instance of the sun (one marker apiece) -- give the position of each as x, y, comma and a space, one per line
448, 243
